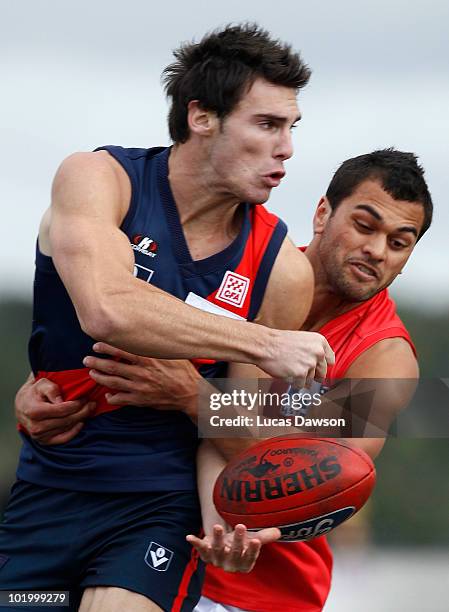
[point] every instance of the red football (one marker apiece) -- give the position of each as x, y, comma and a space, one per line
304, 486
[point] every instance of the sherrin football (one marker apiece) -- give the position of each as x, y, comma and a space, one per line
303, 486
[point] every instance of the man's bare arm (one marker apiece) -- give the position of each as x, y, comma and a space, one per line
378, 385
143, 381
389, 360
232, 550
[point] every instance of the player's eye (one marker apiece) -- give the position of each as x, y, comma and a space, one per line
398, 244
363, 227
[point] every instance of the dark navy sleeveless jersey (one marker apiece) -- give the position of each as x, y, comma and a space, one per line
134, 448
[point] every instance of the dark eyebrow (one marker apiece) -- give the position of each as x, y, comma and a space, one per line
369, 209
412, 230
276, 118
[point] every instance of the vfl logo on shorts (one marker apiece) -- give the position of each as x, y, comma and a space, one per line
158, 557
233, 289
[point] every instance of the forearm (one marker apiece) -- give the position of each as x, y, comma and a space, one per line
146, 321
229, 447
210, 464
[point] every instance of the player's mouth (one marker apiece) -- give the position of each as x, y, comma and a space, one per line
273, 178
363, 271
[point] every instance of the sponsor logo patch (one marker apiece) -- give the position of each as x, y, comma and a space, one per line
158, 557
145, 245
233, 289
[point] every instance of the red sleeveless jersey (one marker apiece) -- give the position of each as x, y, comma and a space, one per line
296, 577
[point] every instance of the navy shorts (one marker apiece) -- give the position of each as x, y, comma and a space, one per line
68, 540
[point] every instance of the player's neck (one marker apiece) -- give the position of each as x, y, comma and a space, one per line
210, 219
326, 305
197, 199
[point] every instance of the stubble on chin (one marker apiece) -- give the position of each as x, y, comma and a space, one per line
349, 289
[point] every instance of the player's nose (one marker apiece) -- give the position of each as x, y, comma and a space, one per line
284, 148
375, 247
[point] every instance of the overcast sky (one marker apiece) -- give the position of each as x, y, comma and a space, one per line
75, 75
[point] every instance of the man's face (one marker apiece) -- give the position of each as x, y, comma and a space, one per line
249, 148
367, 241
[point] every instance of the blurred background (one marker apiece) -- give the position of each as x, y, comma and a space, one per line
78, 75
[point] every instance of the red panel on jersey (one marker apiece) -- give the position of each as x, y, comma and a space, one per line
235, 291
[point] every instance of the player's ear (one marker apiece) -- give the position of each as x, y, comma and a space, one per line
201, 122
322, 215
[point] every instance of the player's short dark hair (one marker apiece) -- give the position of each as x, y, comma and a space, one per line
222, 66
399, 174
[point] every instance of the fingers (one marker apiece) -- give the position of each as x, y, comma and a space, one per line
121, 399
117, 383
311, 375
110, 367
107, 349
249, 557
325, 358
298, 382
234, 552
238, 544
328, 353
48, 390
43, 411
267, 536
321, 370
61, 438
211, 549
42, 430
219, 549
202, 546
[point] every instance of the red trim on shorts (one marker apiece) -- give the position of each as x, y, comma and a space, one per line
185, 582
